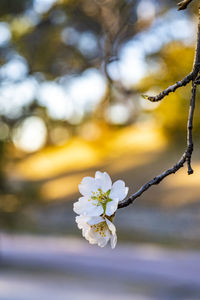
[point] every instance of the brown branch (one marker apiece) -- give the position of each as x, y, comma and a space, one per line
154, 181
191, 76
171, 88
190, 127
184, 4
186, 157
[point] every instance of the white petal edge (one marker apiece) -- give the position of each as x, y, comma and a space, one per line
113, 241
87, 208
82, 221
95, 220
112, 228
102, 242
103, 180
119, 190
79, 205
111, 207
87, 186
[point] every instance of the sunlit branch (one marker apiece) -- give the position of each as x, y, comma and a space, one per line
191, 76
187, 155
189, 128
171, 88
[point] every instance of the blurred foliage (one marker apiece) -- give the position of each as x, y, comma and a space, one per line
54, 41
9, 7
175, 61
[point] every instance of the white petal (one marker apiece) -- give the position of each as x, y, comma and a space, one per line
118, 190
111, 207
100, 240
113, 241
90, 210
103, 180
103, 241
87, 186
93, 211
111, 226
82, 221
95, 220
88, 207
87, 180
77, 208
79, 205
101, 234
91, 241
85, 232
89, 237
92, 236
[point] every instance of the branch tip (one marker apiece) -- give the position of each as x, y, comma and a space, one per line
190, 172
184, 4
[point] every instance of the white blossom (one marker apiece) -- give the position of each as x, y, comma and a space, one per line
97, 207
99, 196
97, 230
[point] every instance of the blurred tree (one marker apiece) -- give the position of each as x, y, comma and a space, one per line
59, 39
171, 113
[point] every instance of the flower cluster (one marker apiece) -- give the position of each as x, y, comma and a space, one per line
97, 207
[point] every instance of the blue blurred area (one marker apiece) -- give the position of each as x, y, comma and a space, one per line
34, 268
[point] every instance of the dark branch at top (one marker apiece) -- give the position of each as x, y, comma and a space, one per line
184, 4
191, 76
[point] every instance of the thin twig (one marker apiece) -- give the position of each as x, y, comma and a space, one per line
186, 157
171, 88
191, 76
154, 181
184, 4
190, 127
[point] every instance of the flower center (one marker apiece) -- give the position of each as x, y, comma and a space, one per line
102, 198
100, 229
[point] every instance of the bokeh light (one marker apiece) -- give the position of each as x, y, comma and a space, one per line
30, 134
5, 33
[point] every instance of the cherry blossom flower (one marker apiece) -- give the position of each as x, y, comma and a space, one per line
98, 230
97, 207
99, 195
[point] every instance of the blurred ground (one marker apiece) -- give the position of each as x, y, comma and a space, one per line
50, 268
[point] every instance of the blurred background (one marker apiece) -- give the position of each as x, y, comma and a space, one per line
72, 73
